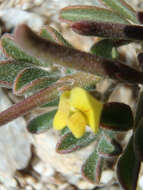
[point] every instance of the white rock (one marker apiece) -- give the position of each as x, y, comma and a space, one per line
51, 187
14, 142
38, 2
38, 186
106, 176
141, 182
39, 168
8, 181
13, 17
84, 184
69, 165
49, 172
30, 180
2, 187
28, 187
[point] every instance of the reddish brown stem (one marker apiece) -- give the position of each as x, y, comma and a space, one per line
109, 30
53, 53
29, 103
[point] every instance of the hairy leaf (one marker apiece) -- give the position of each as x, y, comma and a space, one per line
14, 51
92, 168
54, 102
109, 133
8, 71
122, 8
90, 13
116, 116
31, 80
52, 34
68, 143
81, 79
42, 122
108, 147
105, 48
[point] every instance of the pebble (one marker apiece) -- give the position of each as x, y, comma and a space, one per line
15, 147
59, 179
83, 184
31, 180
107, 176
2, 187
38, 186
52, 187
8, 181
141, 182
39, 167
49, 171
38, 2
67, 187
9, 15
28, 187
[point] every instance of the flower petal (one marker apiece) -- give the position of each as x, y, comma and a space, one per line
60, 119
87, 104
77, 123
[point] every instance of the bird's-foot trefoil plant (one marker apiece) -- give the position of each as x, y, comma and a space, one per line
33, 67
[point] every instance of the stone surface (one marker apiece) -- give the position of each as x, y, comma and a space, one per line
15, 142
68, 165
8, 16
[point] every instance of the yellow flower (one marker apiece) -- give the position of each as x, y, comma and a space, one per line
77, 109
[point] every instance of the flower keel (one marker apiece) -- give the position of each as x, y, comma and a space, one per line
77, 108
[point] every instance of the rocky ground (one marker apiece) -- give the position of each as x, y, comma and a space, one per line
29, 162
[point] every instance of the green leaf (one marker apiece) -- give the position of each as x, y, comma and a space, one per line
42, 122
110, 134
90, 13
12, 50
54, 102
34, 86
29, 74
123, 9
52, 34
128, 168
92, 168
75, 59
139, 109
116, 116
82, 79
8, 71
138, 140
105, 48
108, 147
68, 143
65, 131
31, 80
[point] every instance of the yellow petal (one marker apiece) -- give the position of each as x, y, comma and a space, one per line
60, 119
88, 105
76, 123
